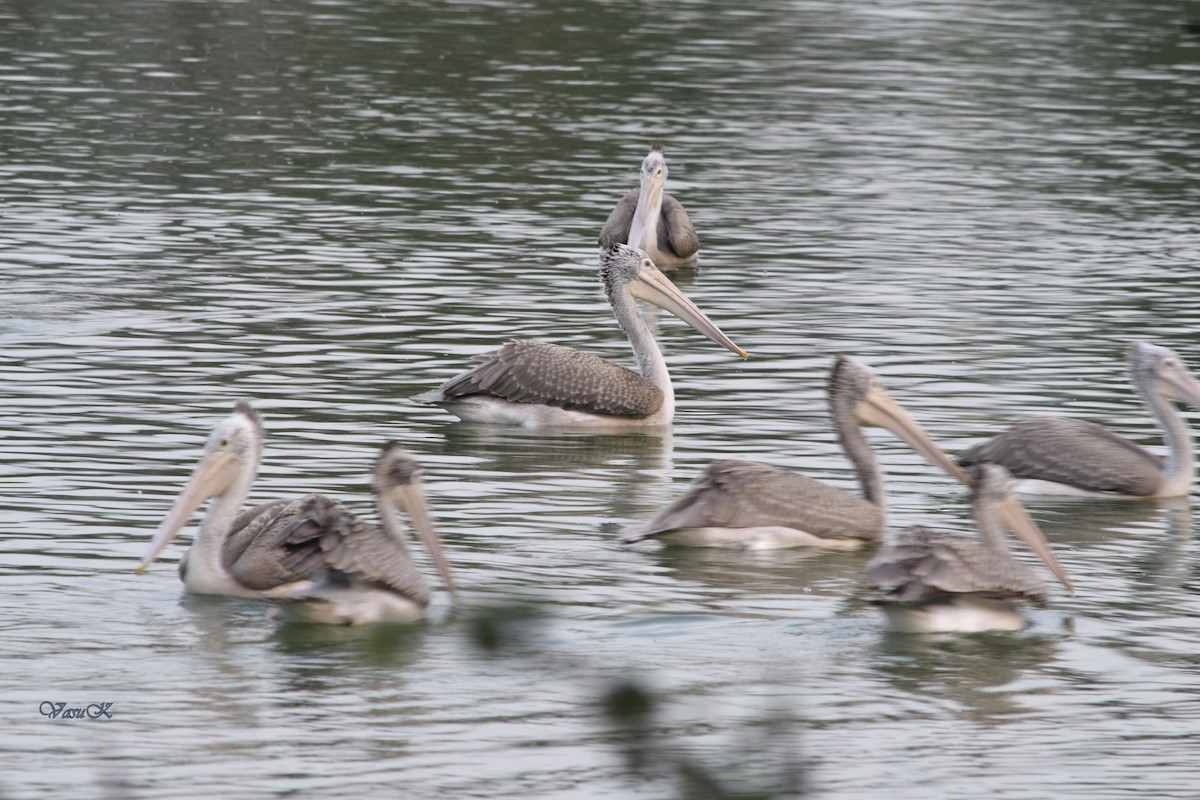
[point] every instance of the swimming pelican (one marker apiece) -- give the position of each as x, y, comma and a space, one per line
1061, 456
653, 220
939, 582
754, 506
535, 384
309, 548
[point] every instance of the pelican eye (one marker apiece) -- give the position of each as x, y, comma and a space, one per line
225, 442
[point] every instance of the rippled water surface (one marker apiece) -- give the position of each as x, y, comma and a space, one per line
328, 206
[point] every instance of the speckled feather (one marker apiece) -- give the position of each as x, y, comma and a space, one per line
675, 230
1073, 452
743, 494
536, 372
248, 554
324, 535
925, 565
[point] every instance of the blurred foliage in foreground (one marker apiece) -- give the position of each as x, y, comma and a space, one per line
764, 763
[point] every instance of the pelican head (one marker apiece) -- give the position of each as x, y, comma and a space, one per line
1162, 372
398, 483
856, 392
627, 269
649, 204
994, 491
654, 170
231, 456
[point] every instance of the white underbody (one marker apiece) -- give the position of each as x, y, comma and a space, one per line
954, 615
479, 408
765, 537
1033, 487
353, 605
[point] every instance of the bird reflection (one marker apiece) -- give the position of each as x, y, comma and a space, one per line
968, 671
500, 448
807, 571
626, 466
327, 651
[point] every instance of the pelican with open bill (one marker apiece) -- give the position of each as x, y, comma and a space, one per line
308, 549
742, 504
652, 220
1070, 457
938, 582
536, 384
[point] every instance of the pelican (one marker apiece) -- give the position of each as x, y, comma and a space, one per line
754, 506
1061, 456
653, 220
305, 549
535, 384
939, 582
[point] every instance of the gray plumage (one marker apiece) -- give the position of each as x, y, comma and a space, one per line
1072, 452
537, 384
324, 536
1082, 456
922, 565
249, 553
743, 494
285, 541
305, 549
530, 371
675, 233
935, 571
741, 503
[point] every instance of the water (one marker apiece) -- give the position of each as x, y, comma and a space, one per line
327, 207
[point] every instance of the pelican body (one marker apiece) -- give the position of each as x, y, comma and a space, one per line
536, 384
652, 220
1061, 456
308, 549
754, 506
936, 582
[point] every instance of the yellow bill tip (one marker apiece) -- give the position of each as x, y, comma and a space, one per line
141, 570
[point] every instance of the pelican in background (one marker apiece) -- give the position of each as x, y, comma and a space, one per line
936, 581
535, 384
305, 549
651, 219
1061, 456
754, 506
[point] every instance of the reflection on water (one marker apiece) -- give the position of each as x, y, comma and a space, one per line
328, 208
981, 676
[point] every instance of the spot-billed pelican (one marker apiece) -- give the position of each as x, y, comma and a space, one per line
755, 506
651, 219
536, 384
308, 549
1061, 456
935, 581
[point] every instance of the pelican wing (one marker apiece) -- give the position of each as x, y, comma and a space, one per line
924, 565
742, 494
675, 227
675, 230
616, 227
249, 553
323, 535
537, 372
1072, 452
